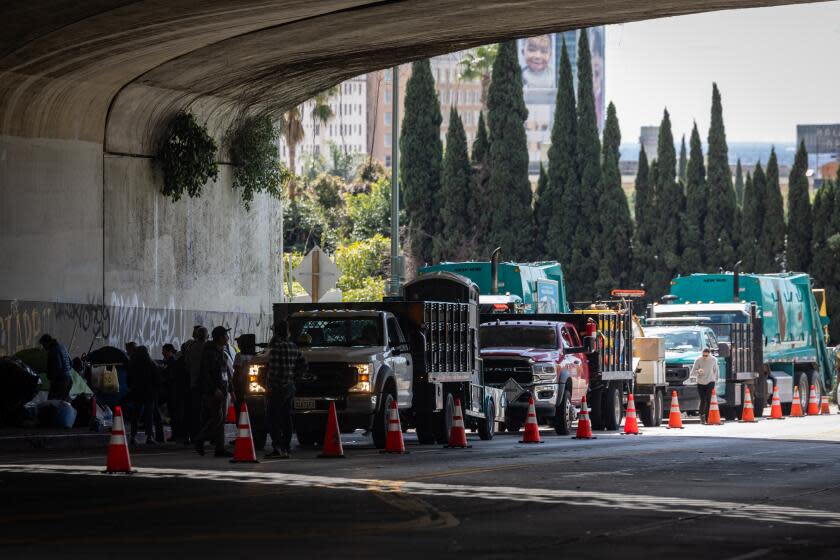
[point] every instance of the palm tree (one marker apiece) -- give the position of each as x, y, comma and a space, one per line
294, 134
477, 65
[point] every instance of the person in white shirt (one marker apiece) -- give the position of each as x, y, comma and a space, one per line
707, 371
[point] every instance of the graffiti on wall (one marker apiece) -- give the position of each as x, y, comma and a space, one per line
86, 326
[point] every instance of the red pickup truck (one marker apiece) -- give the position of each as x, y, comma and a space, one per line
543, 359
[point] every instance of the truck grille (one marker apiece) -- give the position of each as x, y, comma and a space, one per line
326, 379
498, 371
676, 375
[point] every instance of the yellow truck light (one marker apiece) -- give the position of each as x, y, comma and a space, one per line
254, 386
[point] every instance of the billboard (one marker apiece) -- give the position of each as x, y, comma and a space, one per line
819, 138
539, 59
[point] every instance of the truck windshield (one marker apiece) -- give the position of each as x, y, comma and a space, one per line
682, 341
518, 337
336, 331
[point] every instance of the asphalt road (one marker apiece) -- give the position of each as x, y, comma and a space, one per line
741, 491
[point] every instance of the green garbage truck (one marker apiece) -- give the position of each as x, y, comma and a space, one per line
773, 324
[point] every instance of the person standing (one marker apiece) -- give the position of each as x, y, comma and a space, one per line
213, 386
707, 371
143, 387
59, 368
286, 364
174, 394
192, 360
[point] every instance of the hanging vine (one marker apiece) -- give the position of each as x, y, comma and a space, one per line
257, 165
187, 156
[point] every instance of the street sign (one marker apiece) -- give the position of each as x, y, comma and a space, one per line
316, 273
513, 390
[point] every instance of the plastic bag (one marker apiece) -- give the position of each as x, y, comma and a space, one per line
110, 381
96, 374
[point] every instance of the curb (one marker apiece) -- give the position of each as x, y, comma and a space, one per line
29, 442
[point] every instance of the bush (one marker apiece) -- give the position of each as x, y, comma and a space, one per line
253, 151
362, 260
187, 156
370, 213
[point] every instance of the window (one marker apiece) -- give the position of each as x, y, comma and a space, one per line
447, 76
388, 118
317, 129
386, 139
322, 331
387, 161
395, 336
518, 337
387, 96
317, 150
389, 76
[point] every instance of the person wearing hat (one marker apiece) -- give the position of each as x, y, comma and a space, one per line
59, 368
213, 385
707, 371
192, 361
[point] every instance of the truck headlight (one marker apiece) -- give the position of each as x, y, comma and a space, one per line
363, 372
544, 371
254, 386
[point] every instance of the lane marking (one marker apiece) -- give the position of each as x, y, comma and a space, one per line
757, 553
769, 513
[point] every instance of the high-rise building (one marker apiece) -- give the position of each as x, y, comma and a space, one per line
649, 140
380, 111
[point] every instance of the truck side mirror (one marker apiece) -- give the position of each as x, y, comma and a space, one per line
724, 349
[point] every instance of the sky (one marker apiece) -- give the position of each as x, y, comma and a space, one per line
775, 67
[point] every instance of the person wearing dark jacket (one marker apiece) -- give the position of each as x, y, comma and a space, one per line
143, 386
213, 384
172, 373
59, 368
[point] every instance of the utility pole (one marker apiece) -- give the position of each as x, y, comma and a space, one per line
396, 259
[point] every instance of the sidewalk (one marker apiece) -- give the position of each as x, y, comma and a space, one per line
26, 439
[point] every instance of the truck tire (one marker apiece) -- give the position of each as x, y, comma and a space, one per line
804, 384
730, 413
595, 399
659, 400
612, 411
759, 398
814, 379
380, 421
425, 429
487, 426
564, 415
443, 420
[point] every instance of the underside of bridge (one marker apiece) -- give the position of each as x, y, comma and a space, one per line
87, 243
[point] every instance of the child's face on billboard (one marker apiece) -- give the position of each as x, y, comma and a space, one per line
537, 53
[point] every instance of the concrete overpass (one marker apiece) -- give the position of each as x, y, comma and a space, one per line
87, 243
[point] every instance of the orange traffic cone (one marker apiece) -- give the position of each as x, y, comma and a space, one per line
824, 406
532, 430
394, 439
457, 435
747, 413
675, 417
631, 423
332, 439
796, 405
714, 410
813, 403
584, 429
231, 413
118, 458
243, 449
776, 406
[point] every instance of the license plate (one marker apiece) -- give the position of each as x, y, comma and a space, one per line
305, 404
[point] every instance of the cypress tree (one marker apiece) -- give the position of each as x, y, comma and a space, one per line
584, 266
773, 232
825, 267
799, 231
480, 209
562, 184
739, 184
669, 203
695, 207
420, 161
542, 214
719, 234
614, 213
454, 241
682, 168
752, 257
645, 230
481, 144
511, 219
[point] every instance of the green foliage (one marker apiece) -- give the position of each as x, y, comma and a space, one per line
363, 264
327, 190
480, 183
421, 153
682, 166
719, 234
669, 203
562, 192
510, 215
825, 266
739, 184
456, 241
257, 166
370, 213
477, 64
643, 250
542, 213
481, 144
342, 164
693, 257
615, 250
800, 227
773, 231
187, 156
752, 220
